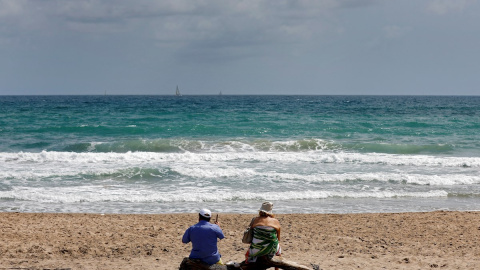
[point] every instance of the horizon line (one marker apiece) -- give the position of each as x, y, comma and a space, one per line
173, 95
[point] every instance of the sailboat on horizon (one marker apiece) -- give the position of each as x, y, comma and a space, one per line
177, 92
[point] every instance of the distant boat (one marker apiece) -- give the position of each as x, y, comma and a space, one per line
177, 92
220, 93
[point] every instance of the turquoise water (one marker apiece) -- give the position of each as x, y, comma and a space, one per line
307, 154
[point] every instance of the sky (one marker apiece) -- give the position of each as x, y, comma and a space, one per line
240, 47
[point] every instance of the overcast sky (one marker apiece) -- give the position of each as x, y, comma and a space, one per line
320, 47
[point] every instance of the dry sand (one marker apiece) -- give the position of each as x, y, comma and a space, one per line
443, 240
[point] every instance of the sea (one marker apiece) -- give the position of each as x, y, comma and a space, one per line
177, 154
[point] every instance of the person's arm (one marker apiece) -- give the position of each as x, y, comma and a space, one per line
254, 222
219, 233
186, 236
278, 227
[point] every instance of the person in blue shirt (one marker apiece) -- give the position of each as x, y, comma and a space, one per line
203, 236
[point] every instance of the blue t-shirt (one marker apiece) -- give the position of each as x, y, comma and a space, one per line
203, 236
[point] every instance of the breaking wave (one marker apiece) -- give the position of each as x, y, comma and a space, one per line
111, 194
259, 145
311, 157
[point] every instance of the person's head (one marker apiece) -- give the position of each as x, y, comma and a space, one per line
204, 214
266, 210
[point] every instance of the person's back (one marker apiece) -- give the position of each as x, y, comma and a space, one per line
266, 235
203, 236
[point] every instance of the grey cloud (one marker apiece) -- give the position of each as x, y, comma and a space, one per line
442, 7
186, 26
261, 12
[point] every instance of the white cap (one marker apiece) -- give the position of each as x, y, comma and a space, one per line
205, 213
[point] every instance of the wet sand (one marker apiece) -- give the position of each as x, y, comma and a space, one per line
443, 240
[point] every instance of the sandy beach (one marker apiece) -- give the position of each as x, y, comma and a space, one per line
444, 240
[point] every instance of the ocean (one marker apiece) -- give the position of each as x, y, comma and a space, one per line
306, 154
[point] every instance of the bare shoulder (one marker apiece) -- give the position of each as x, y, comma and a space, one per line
276, 222
273, 222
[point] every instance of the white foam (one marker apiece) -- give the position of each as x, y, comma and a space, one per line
295, 167
316, 157
92, 194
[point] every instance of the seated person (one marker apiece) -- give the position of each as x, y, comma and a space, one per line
203, 236
266, 235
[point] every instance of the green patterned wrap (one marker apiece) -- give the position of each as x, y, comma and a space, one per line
265, 242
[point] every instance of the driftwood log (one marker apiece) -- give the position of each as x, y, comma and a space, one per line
192, 264
262, 263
